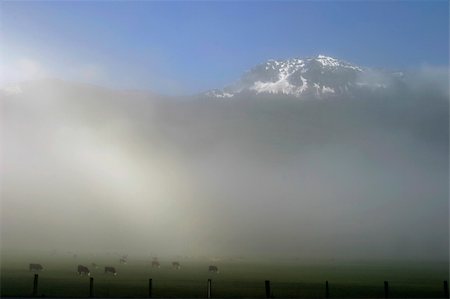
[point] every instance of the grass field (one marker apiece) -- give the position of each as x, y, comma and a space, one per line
243, 278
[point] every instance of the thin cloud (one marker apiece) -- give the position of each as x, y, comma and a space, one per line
23, 69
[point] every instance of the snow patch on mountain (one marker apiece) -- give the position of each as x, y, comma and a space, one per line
217, 93
327, 61
320, 76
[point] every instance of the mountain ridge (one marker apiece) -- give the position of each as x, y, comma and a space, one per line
319, 76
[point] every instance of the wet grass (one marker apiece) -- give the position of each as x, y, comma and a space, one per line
289, 279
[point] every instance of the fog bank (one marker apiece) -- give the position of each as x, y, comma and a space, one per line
89, 169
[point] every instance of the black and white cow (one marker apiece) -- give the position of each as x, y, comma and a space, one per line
156, 264
83, 270
112, 270
176, 265
94, 265
213, 269
36, 267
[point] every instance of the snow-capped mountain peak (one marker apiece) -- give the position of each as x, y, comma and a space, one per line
319, 76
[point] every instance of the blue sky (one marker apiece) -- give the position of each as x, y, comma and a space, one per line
182, 47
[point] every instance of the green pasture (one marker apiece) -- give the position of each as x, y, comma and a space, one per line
243, 278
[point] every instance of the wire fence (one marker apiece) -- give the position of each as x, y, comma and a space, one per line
108, 286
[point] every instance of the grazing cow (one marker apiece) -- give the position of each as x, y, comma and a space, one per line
110, 270
176, 265
36, 267
94, 265
213, 269
156, 264
83, 270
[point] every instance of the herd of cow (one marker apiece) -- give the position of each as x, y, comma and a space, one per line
83, 270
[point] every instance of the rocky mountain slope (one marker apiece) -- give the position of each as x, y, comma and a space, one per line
319, 77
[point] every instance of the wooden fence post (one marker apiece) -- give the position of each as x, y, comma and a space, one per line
445, 289
267, 285
386, 289
327, 290
150, 282
35, 285
208, 291
91, 287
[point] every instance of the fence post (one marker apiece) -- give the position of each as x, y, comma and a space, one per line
327, 290
35, 285
150, 281
386, 289
91, 287
445, 289
267, 285
208, 292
